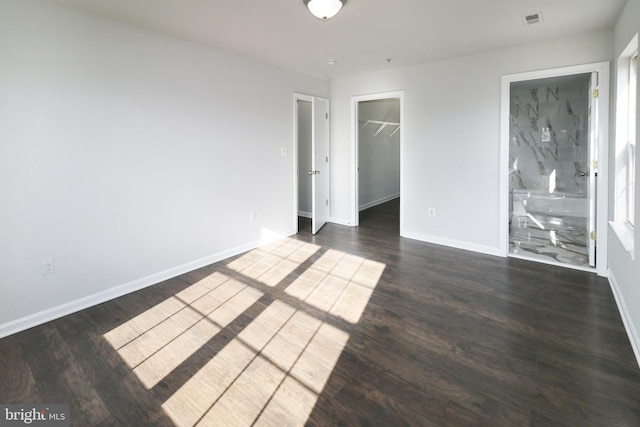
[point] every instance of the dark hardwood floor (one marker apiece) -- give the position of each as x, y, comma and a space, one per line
352, 326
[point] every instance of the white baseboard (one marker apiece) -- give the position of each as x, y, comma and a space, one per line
339, 221
632, 333
305, 214
378, 202
24, 323
489, 250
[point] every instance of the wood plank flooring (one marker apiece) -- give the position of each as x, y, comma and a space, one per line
352, 326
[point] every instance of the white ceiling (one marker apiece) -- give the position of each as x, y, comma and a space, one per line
365, 32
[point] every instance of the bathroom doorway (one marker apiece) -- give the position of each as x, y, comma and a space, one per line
377, 122
555, 168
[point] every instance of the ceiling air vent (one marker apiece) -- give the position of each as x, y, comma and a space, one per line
534, 18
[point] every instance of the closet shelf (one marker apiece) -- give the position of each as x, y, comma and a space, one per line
381, 125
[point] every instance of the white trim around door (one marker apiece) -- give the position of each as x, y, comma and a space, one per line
602, 129
355, 211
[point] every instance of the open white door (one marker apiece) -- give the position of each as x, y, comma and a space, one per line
320, 164
592, 168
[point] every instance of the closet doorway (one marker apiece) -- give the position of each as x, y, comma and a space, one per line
377, 127
311, 121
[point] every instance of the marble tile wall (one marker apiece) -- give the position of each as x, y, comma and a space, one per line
549, 157
549, 132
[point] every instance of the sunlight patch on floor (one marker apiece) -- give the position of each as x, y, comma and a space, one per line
273, 371
338, 283
272, 263
158, 349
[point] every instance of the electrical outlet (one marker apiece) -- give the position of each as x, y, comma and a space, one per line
283, 151
432, 212
252, 216
46, 266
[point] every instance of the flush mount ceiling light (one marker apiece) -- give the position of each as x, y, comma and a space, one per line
324, 9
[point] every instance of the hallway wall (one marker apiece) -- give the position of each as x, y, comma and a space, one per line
304, 158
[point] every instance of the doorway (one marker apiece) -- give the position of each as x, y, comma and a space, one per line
377, 124
556, 153
311, 121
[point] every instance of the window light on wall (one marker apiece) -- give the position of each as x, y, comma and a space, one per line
625, 147
631, 137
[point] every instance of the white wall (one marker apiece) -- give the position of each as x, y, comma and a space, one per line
378, 155
129, 157
625, 271
451, 142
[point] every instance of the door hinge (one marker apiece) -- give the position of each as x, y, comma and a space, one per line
594, 235
327, 116
326, 159
596, 93
327, 200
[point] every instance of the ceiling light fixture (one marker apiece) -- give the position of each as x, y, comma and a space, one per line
324, 9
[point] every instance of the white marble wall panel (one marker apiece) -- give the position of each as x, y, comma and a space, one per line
549, 135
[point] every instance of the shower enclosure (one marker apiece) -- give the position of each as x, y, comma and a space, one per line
553, 169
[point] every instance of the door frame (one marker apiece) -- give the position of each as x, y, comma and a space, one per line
602, 186
307, 98
355, 128
296, 150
